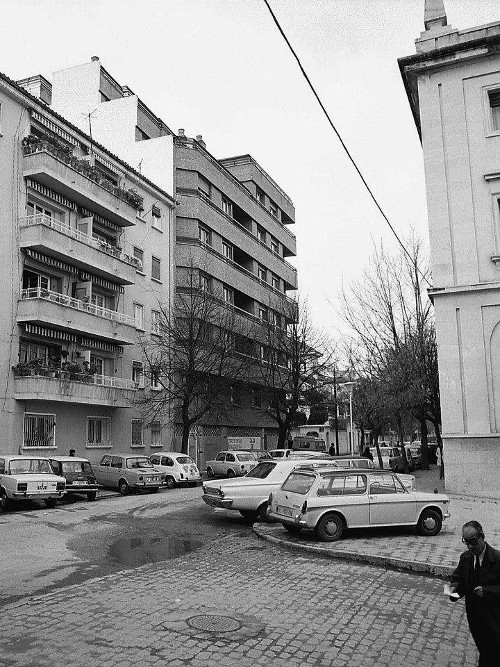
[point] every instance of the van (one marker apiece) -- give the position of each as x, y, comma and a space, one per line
309, 443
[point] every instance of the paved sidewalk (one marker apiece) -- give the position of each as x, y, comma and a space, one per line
401, 548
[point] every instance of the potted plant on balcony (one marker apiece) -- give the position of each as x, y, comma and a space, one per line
21, 369
71, 370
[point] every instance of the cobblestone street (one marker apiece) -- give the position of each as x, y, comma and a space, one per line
241, 602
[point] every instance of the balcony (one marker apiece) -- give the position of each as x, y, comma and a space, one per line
42, 306
54, 238
56, 168
81, 388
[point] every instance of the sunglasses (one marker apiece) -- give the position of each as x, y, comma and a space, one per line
471, 542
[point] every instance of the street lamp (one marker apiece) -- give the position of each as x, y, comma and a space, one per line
350, 386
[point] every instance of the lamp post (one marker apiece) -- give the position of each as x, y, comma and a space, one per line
336, 417
350, 386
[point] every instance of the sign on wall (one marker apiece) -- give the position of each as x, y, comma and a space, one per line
243, 443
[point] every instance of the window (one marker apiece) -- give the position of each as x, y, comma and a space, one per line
228, 295
139, 316
494, 99
155, 268
139, 256
205, 282
205, 235
157, 219
275, 281
39, 430
138, 373
261, 272
264, 353
382, 484
263, 314
36, 209
156, 328
256, 398
275, 246
273, 208
98, 432
154, 378
261, 234
227, 250
234, 396
204, 186
260, 196
155, 435
227, 206
137, 432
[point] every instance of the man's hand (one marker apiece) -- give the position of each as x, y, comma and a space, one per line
478, 591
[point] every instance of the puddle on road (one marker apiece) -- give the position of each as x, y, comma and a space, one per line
143, 550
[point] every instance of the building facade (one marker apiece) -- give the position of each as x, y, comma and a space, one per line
87, 247
453, 86
231, 225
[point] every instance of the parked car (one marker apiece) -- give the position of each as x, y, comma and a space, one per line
416, 453
361, 462
280, 453
78, 473
328, 501
29, 478
231, 464
176, 468
387, 453
396, 463
249, 494
128, 472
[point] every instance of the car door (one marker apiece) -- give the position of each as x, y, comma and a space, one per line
219, 468
102, 470
115, 470
230, 463
390, 503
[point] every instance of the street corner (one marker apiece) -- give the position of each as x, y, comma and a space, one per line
387, 548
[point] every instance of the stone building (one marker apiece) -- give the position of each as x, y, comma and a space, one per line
81, 283
453, 86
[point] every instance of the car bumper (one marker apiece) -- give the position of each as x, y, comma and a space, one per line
292, 520
215, 501
147, 485
81, 488
35, 495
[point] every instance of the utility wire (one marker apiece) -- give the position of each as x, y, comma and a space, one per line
342, 141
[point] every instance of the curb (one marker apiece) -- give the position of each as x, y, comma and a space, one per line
387, 562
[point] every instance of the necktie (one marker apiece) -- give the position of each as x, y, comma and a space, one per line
477, 572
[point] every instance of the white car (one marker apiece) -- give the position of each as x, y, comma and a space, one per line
329, 501
249, 494
177, 469
354, 462
386, 453
231, 464
29, 478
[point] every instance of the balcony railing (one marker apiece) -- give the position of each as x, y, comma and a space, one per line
77, 304
33, 144
86, 378
47, 221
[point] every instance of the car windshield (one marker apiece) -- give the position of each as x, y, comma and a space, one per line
72, 466
139, 462
362, 463
29, 466
185, 459
261, 470
298, 483
246, 457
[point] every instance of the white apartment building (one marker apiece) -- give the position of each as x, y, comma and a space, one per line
87, 250
453, 86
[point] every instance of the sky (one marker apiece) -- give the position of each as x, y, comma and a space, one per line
220, 68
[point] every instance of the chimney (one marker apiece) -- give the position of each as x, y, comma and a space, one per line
199, 139
95, 59
180, 132
38, 86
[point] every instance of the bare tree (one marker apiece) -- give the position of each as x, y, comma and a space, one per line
192, 356
295, 358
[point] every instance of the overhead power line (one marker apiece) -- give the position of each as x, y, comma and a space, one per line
342, 143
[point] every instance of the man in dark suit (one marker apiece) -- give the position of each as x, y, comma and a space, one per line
477, 577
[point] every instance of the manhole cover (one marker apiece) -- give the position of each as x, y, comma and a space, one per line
214, 623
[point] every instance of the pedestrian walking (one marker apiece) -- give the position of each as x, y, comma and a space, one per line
477, 578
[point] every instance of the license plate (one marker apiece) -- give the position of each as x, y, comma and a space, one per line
286, 511
81, 481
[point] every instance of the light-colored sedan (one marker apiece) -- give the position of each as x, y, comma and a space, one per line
29, 478
329, 501
231, 464
249, 494
128, 472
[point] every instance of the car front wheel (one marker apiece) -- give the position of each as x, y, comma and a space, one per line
169, 482
230, 473
3, 501
123, 487
429, 523
329, 528
210, 472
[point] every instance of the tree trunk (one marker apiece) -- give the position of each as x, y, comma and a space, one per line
186, 427
379, 455
282, 435
424, 450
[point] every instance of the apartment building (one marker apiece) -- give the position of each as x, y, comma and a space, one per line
87, 247
232, 224
453, 86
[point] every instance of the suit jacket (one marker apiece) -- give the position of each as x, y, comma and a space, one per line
483, 613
